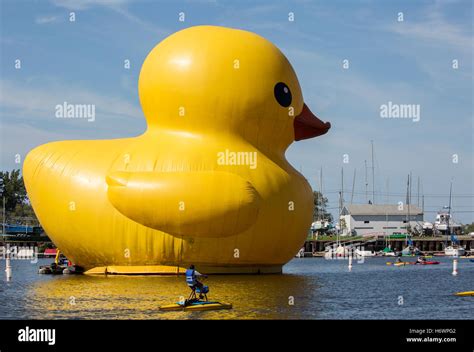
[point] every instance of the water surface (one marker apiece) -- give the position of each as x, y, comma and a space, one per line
310, 288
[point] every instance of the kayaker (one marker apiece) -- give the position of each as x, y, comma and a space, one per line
399, 260
421, 259
192, 279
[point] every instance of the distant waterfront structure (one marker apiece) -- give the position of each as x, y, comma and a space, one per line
386, 219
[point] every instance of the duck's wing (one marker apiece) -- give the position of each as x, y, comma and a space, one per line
188, 204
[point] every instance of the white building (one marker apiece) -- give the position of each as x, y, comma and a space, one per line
365, 219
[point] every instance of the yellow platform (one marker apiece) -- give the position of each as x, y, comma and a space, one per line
175, 270
136, 270
197, 307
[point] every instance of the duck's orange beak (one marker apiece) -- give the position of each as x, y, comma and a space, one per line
307, 125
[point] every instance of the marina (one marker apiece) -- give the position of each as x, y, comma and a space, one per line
429, 245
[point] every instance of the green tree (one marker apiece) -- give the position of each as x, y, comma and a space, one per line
17, 206
320, 207
469, 228
13, 189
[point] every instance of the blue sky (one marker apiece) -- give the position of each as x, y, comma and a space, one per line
407, 62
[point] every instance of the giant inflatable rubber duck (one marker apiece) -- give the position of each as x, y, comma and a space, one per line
207, 183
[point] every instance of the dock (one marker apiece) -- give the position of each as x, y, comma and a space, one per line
430, 245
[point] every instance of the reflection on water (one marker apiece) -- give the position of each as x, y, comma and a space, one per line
139, 297
319, 289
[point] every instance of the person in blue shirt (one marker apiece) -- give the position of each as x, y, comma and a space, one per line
192, 276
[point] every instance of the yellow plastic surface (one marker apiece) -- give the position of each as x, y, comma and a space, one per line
207, 183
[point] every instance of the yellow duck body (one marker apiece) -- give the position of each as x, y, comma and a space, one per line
206, 184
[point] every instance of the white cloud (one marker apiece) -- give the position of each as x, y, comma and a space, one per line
118, 6
46, 19
20, 139
137, 20
28, 117
435, 30
85, 4
28, 100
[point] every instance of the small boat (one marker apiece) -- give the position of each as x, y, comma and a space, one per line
444, 222
400, 263
410, 251
428, 262
362, 253
52, 269
465, 293
388, 252
196, 306
60, 265
44, 270
454, 251
73, 269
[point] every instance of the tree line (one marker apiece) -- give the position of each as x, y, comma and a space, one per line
15, 199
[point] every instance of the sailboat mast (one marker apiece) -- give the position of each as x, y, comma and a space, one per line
407, 217
3, 213
353, 185
449, 212
409, 203
321, 180
410, 186
320, 210
340, 218
366, 183
342, 183
418, 192
373, 174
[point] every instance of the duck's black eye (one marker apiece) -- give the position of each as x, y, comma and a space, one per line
282, 94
